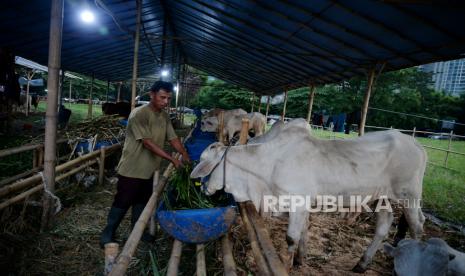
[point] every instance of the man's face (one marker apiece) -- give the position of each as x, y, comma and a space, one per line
160, 100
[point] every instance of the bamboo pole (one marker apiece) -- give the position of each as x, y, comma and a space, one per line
283, 115
366, 101
221, 127
39, 187
267, 107
19, 176
54, 63
131, 244
272, 258
70, 95
36, 178
89, 108
228, 259
101, 167
11, 151
258, 256
136, 55
311, 96
118, 97
448, 148
152, 219
175, 259
34, 158
108, 90
244, 131
29, 78
252, 102
259, 259
201, 267
21, 196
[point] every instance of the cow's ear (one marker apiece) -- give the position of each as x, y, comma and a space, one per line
204, 168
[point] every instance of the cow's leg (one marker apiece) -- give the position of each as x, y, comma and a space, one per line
297, 222
302, 249
415, 219
402, 228
383, 223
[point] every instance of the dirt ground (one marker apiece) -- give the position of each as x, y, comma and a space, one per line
71, 247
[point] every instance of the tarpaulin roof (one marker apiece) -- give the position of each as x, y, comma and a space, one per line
265, 46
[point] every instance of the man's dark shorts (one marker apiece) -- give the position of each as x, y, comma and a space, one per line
132, 191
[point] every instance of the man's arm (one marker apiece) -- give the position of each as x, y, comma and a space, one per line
176, 143
160, 152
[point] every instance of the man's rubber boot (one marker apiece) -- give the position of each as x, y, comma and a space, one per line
136, 212
115, 216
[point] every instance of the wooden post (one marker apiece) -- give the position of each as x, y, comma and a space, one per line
228, 259
60, 90
221, 127
40, 156
366, 101
70, 80
311, 96
267, 107
108, 90
283, 115
152, 226
29, 78
253, 101
54, 63
201, 266
136, 56
89, 109
175, 259
274, 263
259, 259
244, 131
448, 148
414, 130
259, 104
118, 97
101, 166
34, 158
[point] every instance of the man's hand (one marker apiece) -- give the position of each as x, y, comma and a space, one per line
185, 158
177, 163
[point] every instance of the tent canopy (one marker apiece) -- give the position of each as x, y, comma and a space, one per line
264, 46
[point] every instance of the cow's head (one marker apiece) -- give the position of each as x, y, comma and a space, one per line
208, 168
209, 124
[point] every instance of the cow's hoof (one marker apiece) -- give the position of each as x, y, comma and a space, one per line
358, 269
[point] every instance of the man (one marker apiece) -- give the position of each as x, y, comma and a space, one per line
148, 127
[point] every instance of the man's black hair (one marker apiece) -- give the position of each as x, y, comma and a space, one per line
167, 86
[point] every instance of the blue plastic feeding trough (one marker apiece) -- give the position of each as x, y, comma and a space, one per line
196, 225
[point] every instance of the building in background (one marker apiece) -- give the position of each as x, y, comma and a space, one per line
448, 76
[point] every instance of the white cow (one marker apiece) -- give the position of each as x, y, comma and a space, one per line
210, 123
257, 122
277, 128
378, 164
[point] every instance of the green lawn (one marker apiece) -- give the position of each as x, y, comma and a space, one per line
443, 189
79, 111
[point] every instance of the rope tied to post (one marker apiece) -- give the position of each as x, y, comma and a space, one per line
52, 195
